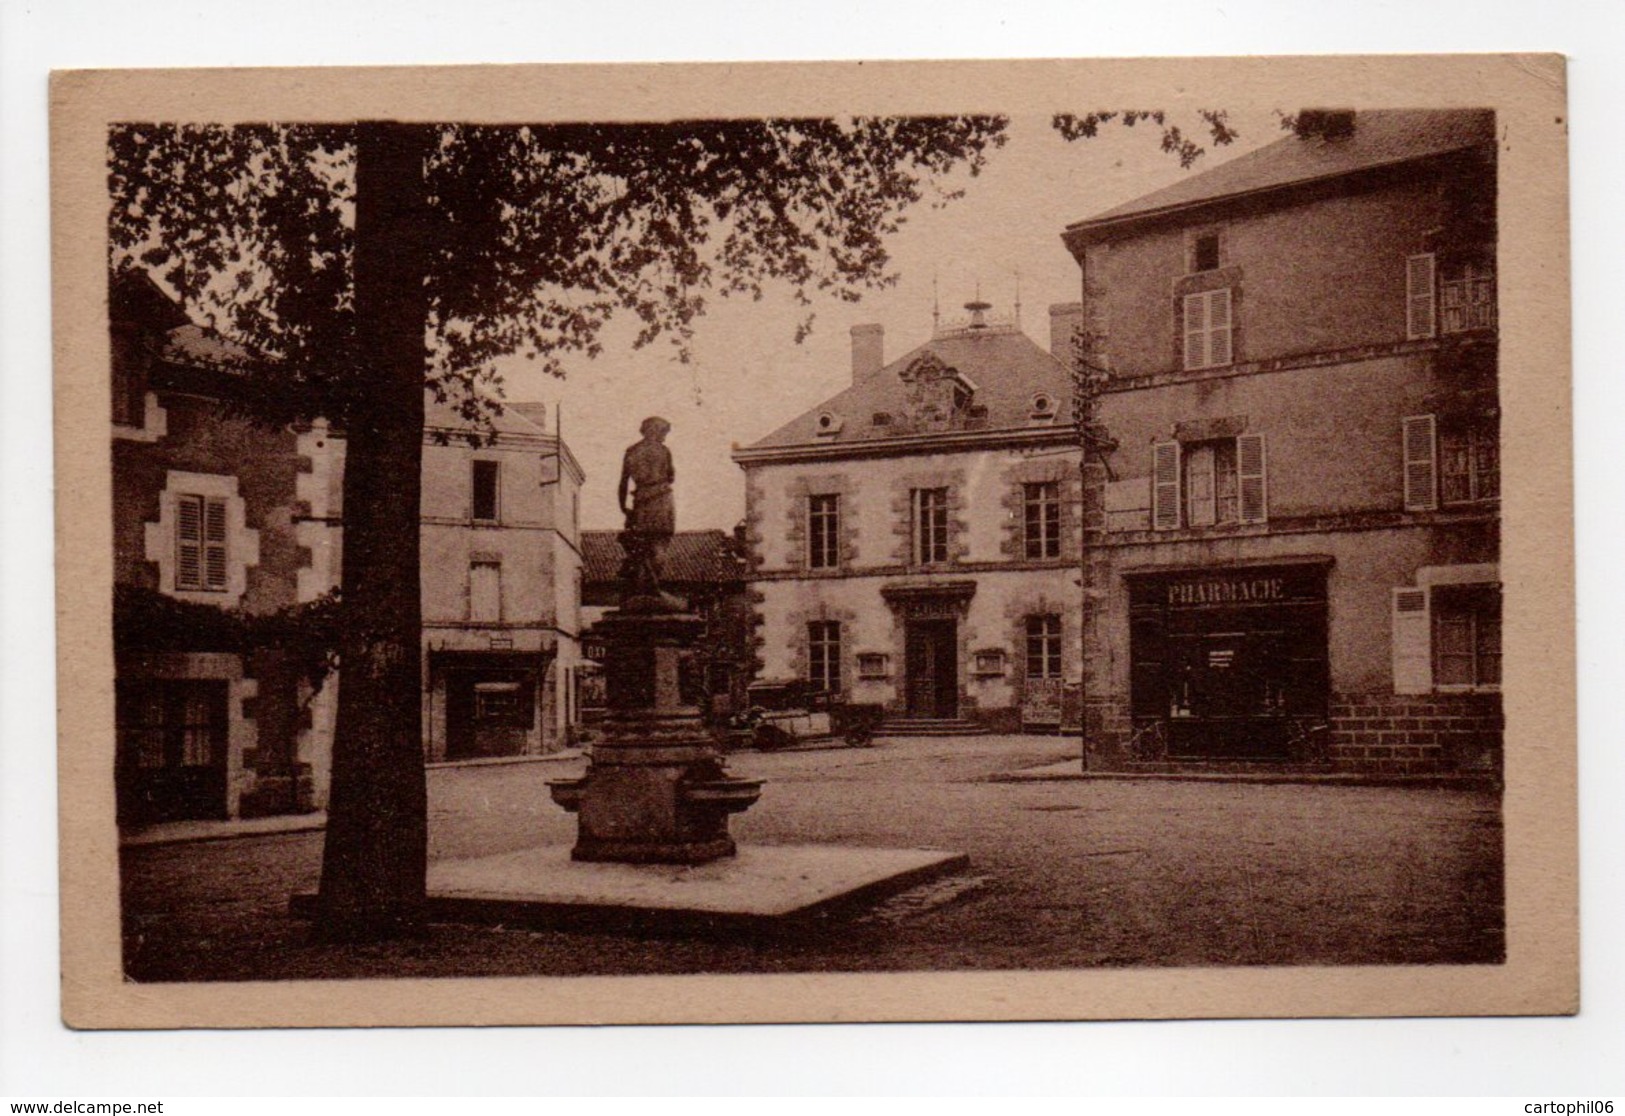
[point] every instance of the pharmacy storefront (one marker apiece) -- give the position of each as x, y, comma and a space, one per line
1229, 663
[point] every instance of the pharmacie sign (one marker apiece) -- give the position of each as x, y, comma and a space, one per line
1226, 590
1222, 588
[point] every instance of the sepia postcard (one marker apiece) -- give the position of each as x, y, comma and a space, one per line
836, 542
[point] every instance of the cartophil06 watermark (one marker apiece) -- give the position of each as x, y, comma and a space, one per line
1570, 1108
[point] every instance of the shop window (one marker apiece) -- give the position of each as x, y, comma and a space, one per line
485, 592
1449, 296
171, 724
1451, 462
1041, 506
1211, 483
930, 525
1043, 647
824, 531
200, 544
824, 655
485, 481
502, 702
1207, 329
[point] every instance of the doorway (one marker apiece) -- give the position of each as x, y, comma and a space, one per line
931, 666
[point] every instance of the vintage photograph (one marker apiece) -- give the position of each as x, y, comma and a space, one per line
1054, 536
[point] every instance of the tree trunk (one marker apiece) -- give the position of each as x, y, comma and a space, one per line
376, 853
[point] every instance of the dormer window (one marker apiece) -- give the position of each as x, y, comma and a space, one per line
827, 424
1043, 406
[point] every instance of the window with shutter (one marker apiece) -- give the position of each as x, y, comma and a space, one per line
200, 544
1418, 435
214, 545
1207, 329
189, 542
1466, 621
1420, 297
1412, 657
1165, 486
1199, 469
1250, 476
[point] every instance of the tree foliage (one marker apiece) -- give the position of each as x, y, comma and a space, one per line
539, 233
1215, 122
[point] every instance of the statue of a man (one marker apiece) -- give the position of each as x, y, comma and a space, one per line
651, 518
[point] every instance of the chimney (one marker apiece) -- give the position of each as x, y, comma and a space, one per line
1065, 319
1325, 123
868, 350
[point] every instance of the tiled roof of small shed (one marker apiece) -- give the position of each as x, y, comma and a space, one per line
692, 556
1006, 366
1381, 137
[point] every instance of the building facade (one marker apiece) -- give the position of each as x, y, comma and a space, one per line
501, 589
914, 541
206, 531
500, 582
1295, 525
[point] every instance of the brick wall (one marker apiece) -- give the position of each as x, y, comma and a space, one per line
1400, 734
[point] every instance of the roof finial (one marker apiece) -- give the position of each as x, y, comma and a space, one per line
936, 309
1018, 298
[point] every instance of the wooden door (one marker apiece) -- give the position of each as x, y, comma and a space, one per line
931, 686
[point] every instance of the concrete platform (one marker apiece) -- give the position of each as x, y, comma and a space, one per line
763, 887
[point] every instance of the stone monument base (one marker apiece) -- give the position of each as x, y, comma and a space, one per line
656, 789
762, 887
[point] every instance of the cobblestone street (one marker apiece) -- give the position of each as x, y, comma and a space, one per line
1063, 874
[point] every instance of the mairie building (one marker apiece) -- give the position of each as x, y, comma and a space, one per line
914, 541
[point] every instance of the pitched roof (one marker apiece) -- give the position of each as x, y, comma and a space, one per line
1381, 137
445, 417
1007, 368
692, 556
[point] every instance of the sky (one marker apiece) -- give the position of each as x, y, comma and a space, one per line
748, 376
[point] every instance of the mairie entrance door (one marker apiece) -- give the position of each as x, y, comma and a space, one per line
932, 668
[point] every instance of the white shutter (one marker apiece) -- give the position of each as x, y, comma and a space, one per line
189, 542
1164, 486
1420, 463
1195, 331
1250, 478
1420, 307
214, 545
1218, 325
1207, 329
1413, 656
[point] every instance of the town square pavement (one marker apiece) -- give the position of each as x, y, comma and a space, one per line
1069, 873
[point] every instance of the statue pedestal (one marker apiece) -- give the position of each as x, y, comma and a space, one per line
656, 791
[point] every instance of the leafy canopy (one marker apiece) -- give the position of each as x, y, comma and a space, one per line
540, 233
